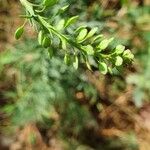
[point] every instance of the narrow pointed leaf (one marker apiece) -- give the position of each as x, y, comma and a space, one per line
67, 59
50, 52
92, 32
80, 28
40, 37
19, 32
75, 62
71, 21
82, 35
63, 9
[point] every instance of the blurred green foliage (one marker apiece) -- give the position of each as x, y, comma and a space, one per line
42, 84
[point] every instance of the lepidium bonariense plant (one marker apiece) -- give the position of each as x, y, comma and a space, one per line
82, 44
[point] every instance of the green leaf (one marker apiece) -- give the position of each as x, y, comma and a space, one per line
81, 36
28, 6
103, 67
60, 24
63, 44
110, 70
50, 52
128, 55
80, 28
92, 32
104, 44
67, 59
71, 21
46, 42
111, 39
19, 32
119, 61
40, 37
88, 65
45, 23
88, 49
75, 62
48, 3
119, 49
63, 9
97, 38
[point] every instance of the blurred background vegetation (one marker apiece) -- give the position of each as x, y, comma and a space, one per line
45, 104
